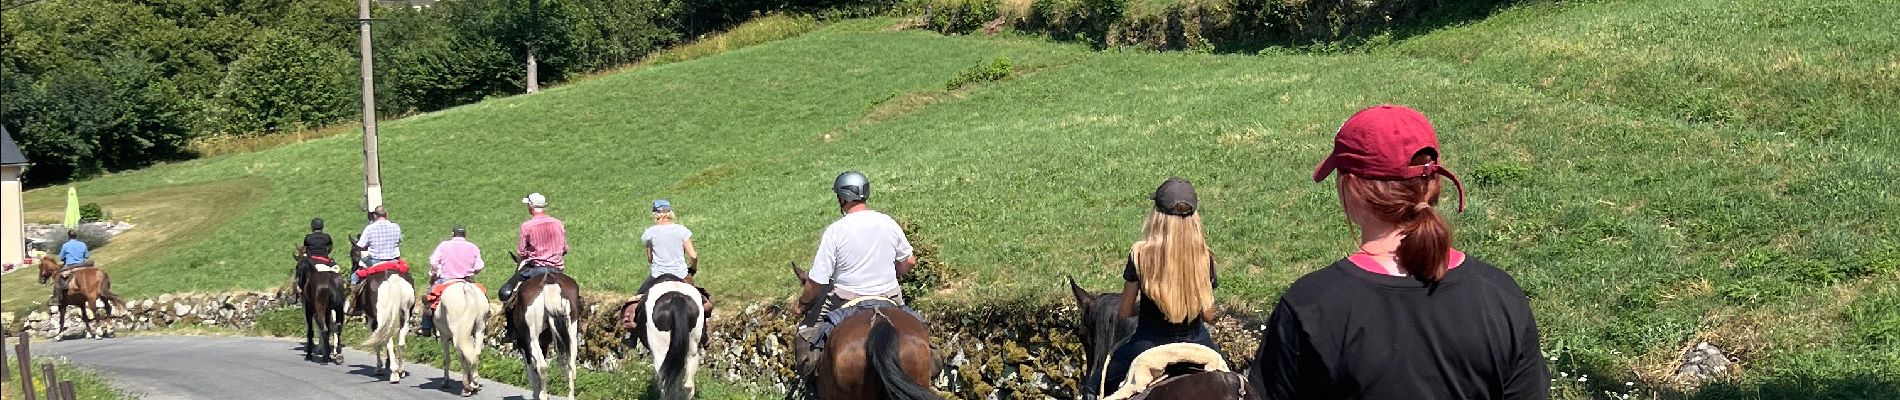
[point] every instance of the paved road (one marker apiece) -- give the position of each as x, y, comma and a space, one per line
202, 367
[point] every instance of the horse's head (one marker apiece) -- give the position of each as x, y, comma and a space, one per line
1102, 324
357, 253
49, 265
809, 293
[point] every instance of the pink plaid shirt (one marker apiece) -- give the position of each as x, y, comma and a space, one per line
543, 240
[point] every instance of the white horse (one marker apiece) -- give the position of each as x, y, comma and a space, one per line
673, 325
461, 318
395, 304
548, 305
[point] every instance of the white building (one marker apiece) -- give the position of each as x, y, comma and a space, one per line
12, 214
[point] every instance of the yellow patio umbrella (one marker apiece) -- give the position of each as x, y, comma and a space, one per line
72, 207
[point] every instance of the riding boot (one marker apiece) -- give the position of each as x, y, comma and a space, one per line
428, 323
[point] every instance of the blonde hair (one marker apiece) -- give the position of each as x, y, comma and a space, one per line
1173, 261
664, 216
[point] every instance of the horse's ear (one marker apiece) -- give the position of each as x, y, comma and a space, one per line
1082, 297
800, 273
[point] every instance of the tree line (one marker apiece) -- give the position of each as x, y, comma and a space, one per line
93, 86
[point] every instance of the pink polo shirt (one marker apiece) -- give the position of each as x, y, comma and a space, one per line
543, 240
455, 258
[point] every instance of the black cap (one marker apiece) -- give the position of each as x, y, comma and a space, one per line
458, 231
1176, 197
316, 224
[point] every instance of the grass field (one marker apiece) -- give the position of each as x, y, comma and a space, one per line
87, 384
1653, 173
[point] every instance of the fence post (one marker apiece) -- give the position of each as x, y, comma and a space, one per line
66, 391
4, 372
52, 381
24, 352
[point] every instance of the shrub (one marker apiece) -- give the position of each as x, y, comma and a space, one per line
995, 70
91, 212
285, 83
961, 16
94, 236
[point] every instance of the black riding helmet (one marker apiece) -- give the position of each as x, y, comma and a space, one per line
852, 186
316, 224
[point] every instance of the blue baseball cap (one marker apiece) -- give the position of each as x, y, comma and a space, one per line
662, 205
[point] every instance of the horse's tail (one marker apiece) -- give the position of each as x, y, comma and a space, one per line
886, 358
105, 293
391, 312
681, 316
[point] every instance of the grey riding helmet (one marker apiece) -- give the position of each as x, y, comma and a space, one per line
852, 186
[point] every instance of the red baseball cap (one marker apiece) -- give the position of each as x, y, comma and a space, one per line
1378, 143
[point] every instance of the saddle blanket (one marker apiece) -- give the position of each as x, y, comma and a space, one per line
397, 265
1151, 366
861, 304
435, 293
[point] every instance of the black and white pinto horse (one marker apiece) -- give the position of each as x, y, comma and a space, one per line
674, 330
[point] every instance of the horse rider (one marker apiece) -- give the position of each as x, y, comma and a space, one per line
1170, 285
670, 249
316, 250
542, 246
860, 254
1405, 314
72, 255
383, 239
456, 259
670, 254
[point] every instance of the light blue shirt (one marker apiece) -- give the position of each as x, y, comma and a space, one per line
73, 252
383, 238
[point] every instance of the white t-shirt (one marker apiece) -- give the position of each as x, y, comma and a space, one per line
669, 249
859, 253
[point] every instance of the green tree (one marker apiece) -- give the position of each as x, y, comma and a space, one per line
284, 83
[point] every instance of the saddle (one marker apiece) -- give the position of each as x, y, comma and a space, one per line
1166, 363
398, 266
435, 292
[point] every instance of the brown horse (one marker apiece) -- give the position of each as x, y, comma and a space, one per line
85, 286
883, 353
1103, 329
322, 295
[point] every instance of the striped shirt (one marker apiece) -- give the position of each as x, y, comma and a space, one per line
543, 241
383, 238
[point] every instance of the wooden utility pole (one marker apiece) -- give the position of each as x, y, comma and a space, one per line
534, 19
372, 169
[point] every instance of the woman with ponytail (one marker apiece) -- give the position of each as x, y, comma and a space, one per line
1405, 315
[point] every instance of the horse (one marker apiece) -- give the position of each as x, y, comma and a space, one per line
542, 316
85, 286
389, 301
462, 318
322, 295
1103, 329
674, 320
882, 353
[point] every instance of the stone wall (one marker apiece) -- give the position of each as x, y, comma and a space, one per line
239, 309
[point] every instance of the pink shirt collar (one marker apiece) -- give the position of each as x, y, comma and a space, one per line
1364, 261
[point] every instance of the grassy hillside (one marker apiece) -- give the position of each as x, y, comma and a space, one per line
1637, 224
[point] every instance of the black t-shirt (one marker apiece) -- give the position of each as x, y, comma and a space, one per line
1346, 333
1149, 318
317, 244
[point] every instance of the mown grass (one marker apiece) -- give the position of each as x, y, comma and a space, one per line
1636, 228
166, 219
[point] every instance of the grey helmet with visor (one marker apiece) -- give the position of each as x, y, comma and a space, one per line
852, 186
